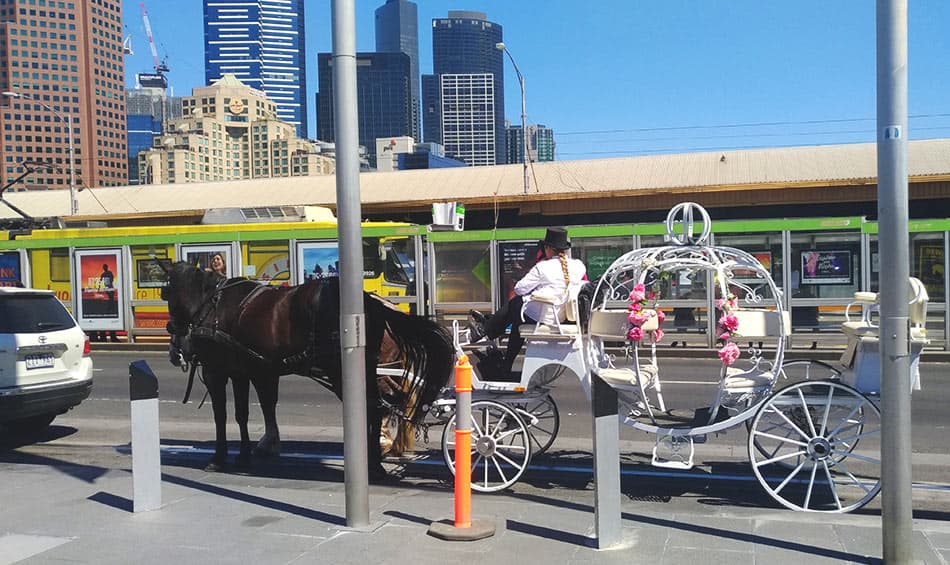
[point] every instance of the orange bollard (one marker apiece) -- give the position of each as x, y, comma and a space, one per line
464, 528
463, 443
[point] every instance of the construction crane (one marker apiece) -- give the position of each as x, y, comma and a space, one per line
161, 67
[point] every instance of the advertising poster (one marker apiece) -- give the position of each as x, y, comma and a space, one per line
826, 267
516, 259
317, 260
200, 256
152, 273
100, 294
929, 270
750, 276
10, 273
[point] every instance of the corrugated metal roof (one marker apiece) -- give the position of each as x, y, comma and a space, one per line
746, 169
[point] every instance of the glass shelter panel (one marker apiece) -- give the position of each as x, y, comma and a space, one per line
682, 296
767, 249
462, 272
825, 273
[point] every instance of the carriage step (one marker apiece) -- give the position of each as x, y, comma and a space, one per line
673, 452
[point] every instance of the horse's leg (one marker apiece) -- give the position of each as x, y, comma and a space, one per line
374, 414
241, 386
266, 388
217, 389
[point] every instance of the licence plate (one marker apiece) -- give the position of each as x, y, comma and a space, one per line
39, 361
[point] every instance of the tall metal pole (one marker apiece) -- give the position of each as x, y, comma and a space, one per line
896, 503
353, 319
524, 117
73, 202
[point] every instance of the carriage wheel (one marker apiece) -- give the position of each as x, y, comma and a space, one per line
807, 370
543, 421
831, 433
501, 448
795, 372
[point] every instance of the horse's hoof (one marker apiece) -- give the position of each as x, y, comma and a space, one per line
214, 467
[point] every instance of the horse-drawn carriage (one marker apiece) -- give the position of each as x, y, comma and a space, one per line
814, 429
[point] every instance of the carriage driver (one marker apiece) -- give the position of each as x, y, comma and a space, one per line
549, 277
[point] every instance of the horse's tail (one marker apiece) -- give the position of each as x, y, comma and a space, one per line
427, 354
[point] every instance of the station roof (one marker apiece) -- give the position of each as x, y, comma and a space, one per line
570, 183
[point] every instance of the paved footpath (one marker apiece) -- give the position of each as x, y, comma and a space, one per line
56, 510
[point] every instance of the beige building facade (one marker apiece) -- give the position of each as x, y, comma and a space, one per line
229, 131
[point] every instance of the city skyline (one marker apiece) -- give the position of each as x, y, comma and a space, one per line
623, 78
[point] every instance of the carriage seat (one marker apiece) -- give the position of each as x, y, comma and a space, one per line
738, 378
619, 377
563, 309
865, 326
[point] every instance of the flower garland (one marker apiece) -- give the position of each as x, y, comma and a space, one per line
728, 327
639, 315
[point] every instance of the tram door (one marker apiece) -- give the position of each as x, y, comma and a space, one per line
200, 256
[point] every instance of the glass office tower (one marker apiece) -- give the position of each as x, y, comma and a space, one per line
383, 97
464, 44
397, 31
262, 43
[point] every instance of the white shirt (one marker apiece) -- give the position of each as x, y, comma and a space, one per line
547, 278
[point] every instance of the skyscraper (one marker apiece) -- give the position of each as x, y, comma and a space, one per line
464, 44
383, 98
262, 43
65, 62
149, 108
540, 143
397, 31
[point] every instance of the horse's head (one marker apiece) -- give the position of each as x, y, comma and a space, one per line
187, 293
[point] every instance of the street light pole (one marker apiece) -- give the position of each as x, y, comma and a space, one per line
66, 119
524, 116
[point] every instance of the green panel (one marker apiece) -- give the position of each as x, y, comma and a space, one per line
913, 226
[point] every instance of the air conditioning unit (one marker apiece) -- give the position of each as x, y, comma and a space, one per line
447, 216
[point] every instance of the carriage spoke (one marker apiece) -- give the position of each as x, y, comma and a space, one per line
824, 418
790, 476
811, 485
861, 484
498, 468
793, 425
807, 413
507, 459
779, 458
854, 438
782, 439
847, 419
857, 456
831, 484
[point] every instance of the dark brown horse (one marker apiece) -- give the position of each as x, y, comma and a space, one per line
253, 333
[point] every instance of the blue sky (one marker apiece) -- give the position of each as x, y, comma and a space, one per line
634, 77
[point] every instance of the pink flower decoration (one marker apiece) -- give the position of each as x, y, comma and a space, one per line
729, 322
729, 353
635, 307
638, 318
635, 333
657, 335
724, 336
638, 293
660, 316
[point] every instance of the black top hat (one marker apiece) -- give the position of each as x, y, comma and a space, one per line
557, 238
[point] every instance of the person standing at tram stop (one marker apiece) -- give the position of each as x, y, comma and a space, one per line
555, 274
217, 265
107, 281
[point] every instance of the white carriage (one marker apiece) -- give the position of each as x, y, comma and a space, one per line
814, 429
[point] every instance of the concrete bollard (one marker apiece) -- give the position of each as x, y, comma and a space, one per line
463, 528
146, 455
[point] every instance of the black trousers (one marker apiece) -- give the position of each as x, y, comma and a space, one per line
509, 314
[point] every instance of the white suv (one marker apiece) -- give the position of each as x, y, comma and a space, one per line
45, 368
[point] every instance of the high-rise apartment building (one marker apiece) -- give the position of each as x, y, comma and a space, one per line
397, 31
383, 97
64, 60
468, 118
464, 44
540, 143
229, 131
262, 43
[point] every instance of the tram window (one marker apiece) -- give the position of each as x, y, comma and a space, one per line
395, 270
59, 265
